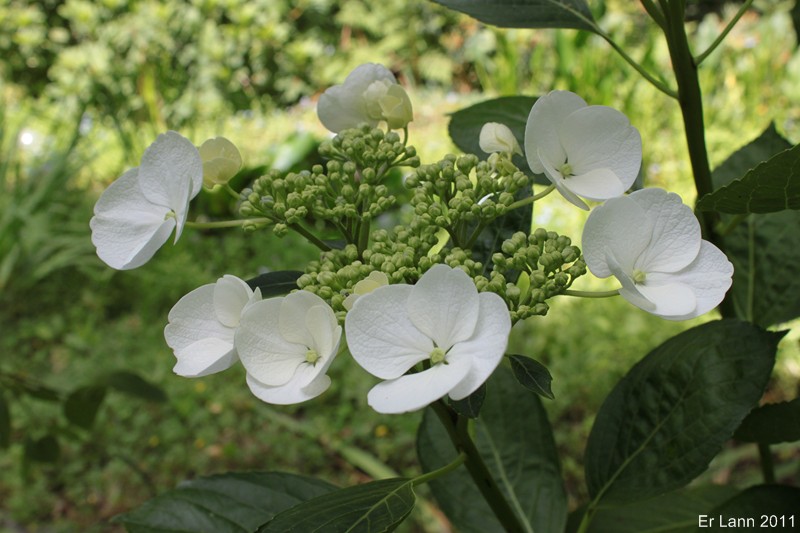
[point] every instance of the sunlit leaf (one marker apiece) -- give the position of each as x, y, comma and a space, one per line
526, 13
772, 186
670, 415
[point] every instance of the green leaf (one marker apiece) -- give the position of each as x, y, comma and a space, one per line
379, 506
766, 281
674, 512
5, 422
758, 503
226, 503
82, 405
532, 375
515, 440
134, 385
670, 415
772, 186
527, 13
465, 126
470, 406
771, 423
795, 14
43, 450
275, 283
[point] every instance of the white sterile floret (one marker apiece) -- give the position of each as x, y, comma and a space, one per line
202, 325
650, 241
369, 94
496, 137
370, 283
442, 320
585, 151
135, 216
286, 346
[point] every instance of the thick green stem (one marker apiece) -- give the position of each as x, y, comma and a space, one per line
691, 102
591, 294
227, 223
457, 431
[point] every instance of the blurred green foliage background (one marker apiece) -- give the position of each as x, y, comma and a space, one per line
85, 86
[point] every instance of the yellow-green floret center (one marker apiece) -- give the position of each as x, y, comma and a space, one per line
566, 170
312, 357
437, 356
639, 276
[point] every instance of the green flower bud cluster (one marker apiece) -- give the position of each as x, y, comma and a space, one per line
400, 254
346, 192
543, 264
371, 148
462, 190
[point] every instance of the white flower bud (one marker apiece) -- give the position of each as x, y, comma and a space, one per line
496, 137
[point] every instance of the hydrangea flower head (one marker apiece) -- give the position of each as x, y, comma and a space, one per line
585, 151
369, 94
443, 322
136, 215
286, 345
202, 326
650, 241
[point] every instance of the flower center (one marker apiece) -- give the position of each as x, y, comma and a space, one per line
169, 215
639, 276
312, 356
566, 170
437, 356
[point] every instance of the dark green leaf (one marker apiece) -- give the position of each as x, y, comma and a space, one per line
766, 282
674, 512
670, 415
757, 505
43, 450
532, 375
5, 422
134, 385
226, 503
471, 405
795, 13
772, 186
82, 405
465, 126
527, 13
771, 423
379, 506
275, 283
515, 441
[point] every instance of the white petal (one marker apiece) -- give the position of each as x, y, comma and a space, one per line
630, 290
289, 393
293, 322
541, 129
675, 240
381, 336
600, 137
204, 357
324, 329
193, 319
496, 137
672, 299
709, 276
486, 346
560, 182
265, 354
415, 391
231, 294
127, 229
171, 173
596, 184
444, 305
343, 106
620, 228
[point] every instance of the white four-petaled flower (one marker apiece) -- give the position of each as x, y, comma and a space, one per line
443, 322
369, 94
585, 151
135, 216
650, 241
286, 346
